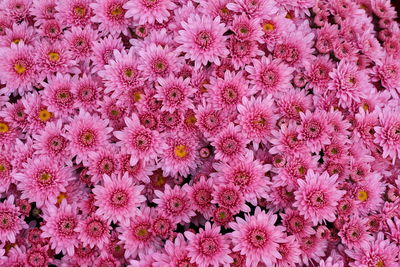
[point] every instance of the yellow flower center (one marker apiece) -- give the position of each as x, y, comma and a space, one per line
137, 96
128, 73
19, 68
142, 232
16, 41
117, 11
268, 27
2, 168
289, 16
80, 11
224, 10
4, 127
380, 263
54, 56
45, 177
61, 197
180, 151
191, 120
362, 195
365, 107
45, 115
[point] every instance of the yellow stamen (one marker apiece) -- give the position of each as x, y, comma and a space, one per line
180, 151
80, 11
54, 56
19, 68
4, 127
2, 168
45, 115
191, 120
365, 107
61, 197
362, 195
142, 232
268, 27
137, 96
16, 41
380, 263
45, 177
117, 11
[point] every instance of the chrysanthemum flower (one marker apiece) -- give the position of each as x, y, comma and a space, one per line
201, 196
228, 92
174, 93
314, 130
94, 231
246, 28
230, 143
140, 171
255, 9
296, 224
368, 193
18, 68
247, 173
202, 40
349, 83
175, 203
103, 51
209, 120
51, 141
121, 73
181, 155
208, 247
74, 12
8, 133
80, 41
257, 118
11, 223
60, 227
102, 162
138, 141
18, 33
312, 249
175, 254
87, 91
354, 233
118, 198
43, 10
42, 180
158, 62
137, 236
270, 75
292, 102
149, 11
317, 197
86, 133
51, 29
290, 251
258, 238
378, 252
387, 135
6, 170
110, 14
54, 58
231, 197
57, 94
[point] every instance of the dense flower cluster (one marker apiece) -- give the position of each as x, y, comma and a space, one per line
199, 133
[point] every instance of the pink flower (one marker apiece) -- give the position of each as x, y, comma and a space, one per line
230, 144
256, 9
201, 196
137, 236
180, 156
118, 198
148, 11
86, 133
257, 118
378, 252
60, 227
290, 251
42, 180
231, 197
349, 83
94, 231
354, 233
202, 40
296, 224
318, 196
74, 12
18, 69
11, 223
140, 142
175, 203
247, 173
208, 247
257, 238
270, 75
175, 93
387, 135
314, 130
110, 15
80, 41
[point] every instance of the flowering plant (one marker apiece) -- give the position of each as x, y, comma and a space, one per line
199, 133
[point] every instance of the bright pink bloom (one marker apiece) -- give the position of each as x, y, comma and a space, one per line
94, 231
11, 223
318, 196
257, 238
208, 247
149, 11
118, 198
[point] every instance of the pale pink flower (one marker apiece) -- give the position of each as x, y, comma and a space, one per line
202, 40
318, 196
74, 12
94, 231
118, 198
149, 11
11, 223
258, 238
208, 247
